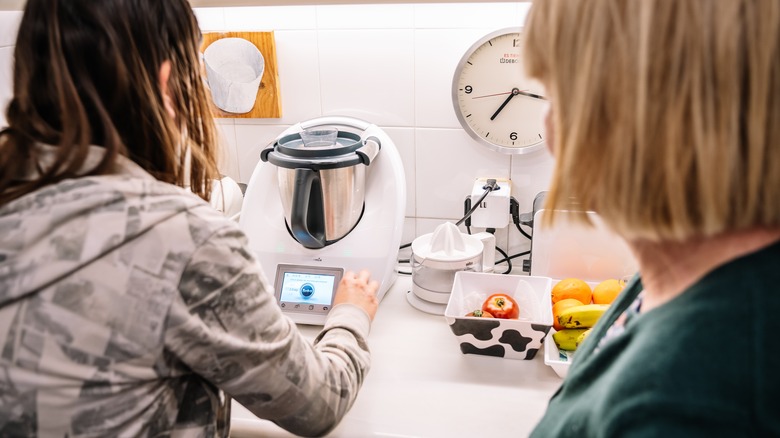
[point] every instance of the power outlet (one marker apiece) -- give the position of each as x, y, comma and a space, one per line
493, 211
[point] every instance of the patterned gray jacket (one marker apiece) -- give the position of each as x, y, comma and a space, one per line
127, 304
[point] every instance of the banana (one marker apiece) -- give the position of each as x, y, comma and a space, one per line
566, 339
584, 316
582, 336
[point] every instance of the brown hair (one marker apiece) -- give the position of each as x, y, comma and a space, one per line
87, 73
666, 112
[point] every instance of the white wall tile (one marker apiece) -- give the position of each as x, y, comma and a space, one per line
501, 243
517, 244
391, 65
9, 27
531, 174
368, 74
409, 233
427, 226
396, 16
250, 141
448, 162
6, 80
523, 8
436, 55
210, 19
270, 18
403, 139
468, 15
299, 78
228, 163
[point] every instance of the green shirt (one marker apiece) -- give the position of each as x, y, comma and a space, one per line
704, 364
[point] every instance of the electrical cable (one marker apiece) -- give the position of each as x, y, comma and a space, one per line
489, 187
475, 206
399, 261
505, 259
522, 231
514, 211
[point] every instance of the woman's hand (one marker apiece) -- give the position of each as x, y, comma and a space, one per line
360, 290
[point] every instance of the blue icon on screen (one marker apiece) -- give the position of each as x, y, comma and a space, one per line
307, 290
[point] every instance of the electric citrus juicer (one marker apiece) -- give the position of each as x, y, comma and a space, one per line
328, 196
438, 256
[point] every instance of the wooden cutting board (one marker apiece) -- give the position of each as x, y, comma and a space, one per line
269, 101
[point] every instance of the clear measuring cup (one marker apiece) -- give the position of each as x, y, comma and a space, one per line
319, 137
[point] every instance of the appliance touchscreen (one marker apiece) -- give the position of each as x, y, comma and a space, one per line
309, 288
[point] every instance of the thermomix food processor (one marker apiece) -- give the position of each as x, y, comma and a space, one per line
328, 196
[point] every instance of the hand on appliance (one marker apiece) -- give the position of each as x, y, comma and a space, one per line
360, 290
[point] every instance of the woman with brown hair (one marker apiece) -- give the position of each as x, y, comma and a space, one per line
127, 304
665, 116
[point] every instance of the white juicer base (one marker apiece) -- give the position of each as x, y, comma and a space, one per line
425, 306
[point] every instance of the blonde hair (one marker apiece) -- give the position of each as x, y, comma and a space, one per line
666, 112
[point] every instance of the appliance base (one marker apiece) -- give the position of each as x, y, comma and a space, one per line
425, 306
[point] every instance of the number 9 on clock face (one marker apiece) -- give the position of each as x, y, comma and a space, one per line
494, 101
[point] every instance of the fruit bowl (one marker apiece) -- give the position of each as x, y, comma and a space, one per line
559, 360
556, 359
508, 338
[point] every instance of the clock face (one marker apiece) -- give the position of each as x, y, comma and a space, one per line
494, 100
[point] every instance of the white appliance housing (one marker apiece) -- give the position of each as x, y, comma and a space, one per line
374, 242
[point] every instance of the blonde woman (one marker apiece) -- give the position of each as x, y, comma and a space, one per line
127, 304
665, 116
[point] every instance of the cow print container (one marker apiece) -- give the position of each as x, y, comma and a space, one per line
508, 338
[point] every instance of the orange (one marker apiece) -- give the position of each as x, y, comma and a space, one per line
560, 306
606, 291
571, 288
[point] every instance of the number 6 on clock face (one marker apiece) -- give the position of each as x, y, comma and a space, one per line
494, 101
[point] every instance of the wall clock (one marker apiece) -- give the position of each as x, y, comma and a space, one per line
494, 101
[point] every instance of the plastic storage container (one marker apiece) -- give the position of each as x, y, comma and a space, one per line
518, 338
570, 249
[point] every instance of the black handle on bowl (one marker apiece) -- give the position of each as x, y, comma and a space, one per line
306, 226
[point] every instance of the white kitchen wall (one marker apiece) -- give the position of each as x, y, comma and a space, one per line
391, 65
9, 23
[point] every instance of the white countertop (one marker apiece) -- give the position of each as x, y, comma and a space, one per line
421, 385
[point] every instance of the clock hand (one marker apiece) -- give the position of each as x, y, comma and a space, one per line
535, 96
524, 93
491, 95
515, 92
